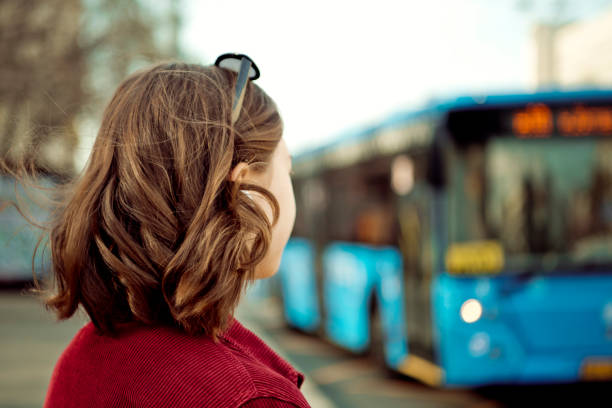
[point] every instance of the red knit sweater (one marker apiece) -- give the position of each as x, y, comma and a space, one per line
163, 367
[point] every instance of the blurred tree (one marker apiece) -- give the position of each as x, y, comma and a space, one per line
60, 59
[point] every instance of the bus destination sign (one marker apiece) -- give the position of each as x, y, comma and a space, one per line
539, 120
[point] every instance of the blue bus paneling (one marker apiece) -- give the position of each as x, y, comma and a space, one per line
352, 275
390, 294
298, 285
537, 329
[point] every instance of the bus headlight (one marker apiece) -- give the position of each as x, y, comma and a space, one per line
471, 311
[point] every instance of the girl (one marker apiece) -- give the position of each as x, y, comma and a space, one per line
185, 200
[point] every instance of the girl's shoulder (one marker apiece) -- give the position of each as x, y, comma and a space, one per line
146, 366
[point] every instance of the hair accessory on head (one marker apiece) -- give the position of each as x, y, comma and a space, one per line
246, 69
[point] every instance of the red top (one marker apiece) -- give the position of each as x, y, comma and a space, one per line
164, 367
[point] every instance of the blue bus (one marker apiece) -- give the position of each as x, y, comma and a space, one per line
464, 244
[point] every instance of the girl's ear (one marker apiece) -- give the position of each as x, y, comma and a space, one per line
239, 172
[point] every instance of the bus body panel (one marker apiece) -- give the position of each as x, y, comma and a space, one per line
538, 329
298, 285
352, 275
347, 283
390, 292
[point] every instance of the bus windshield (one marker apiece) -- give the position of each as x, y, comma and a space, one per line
547, 202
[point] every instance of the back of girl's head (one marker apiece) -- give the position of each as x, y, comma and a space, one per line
154, 231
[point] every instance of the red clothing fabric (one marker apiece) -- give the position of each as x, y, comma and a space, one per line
164, 367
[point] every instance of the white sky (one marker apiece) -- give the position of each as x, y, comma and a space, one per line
332, 65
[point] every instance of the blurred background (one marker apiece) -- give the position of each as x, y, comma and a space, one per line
453, 164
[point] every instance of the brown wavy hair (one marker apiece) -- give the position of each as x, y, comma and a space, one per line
153, 231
